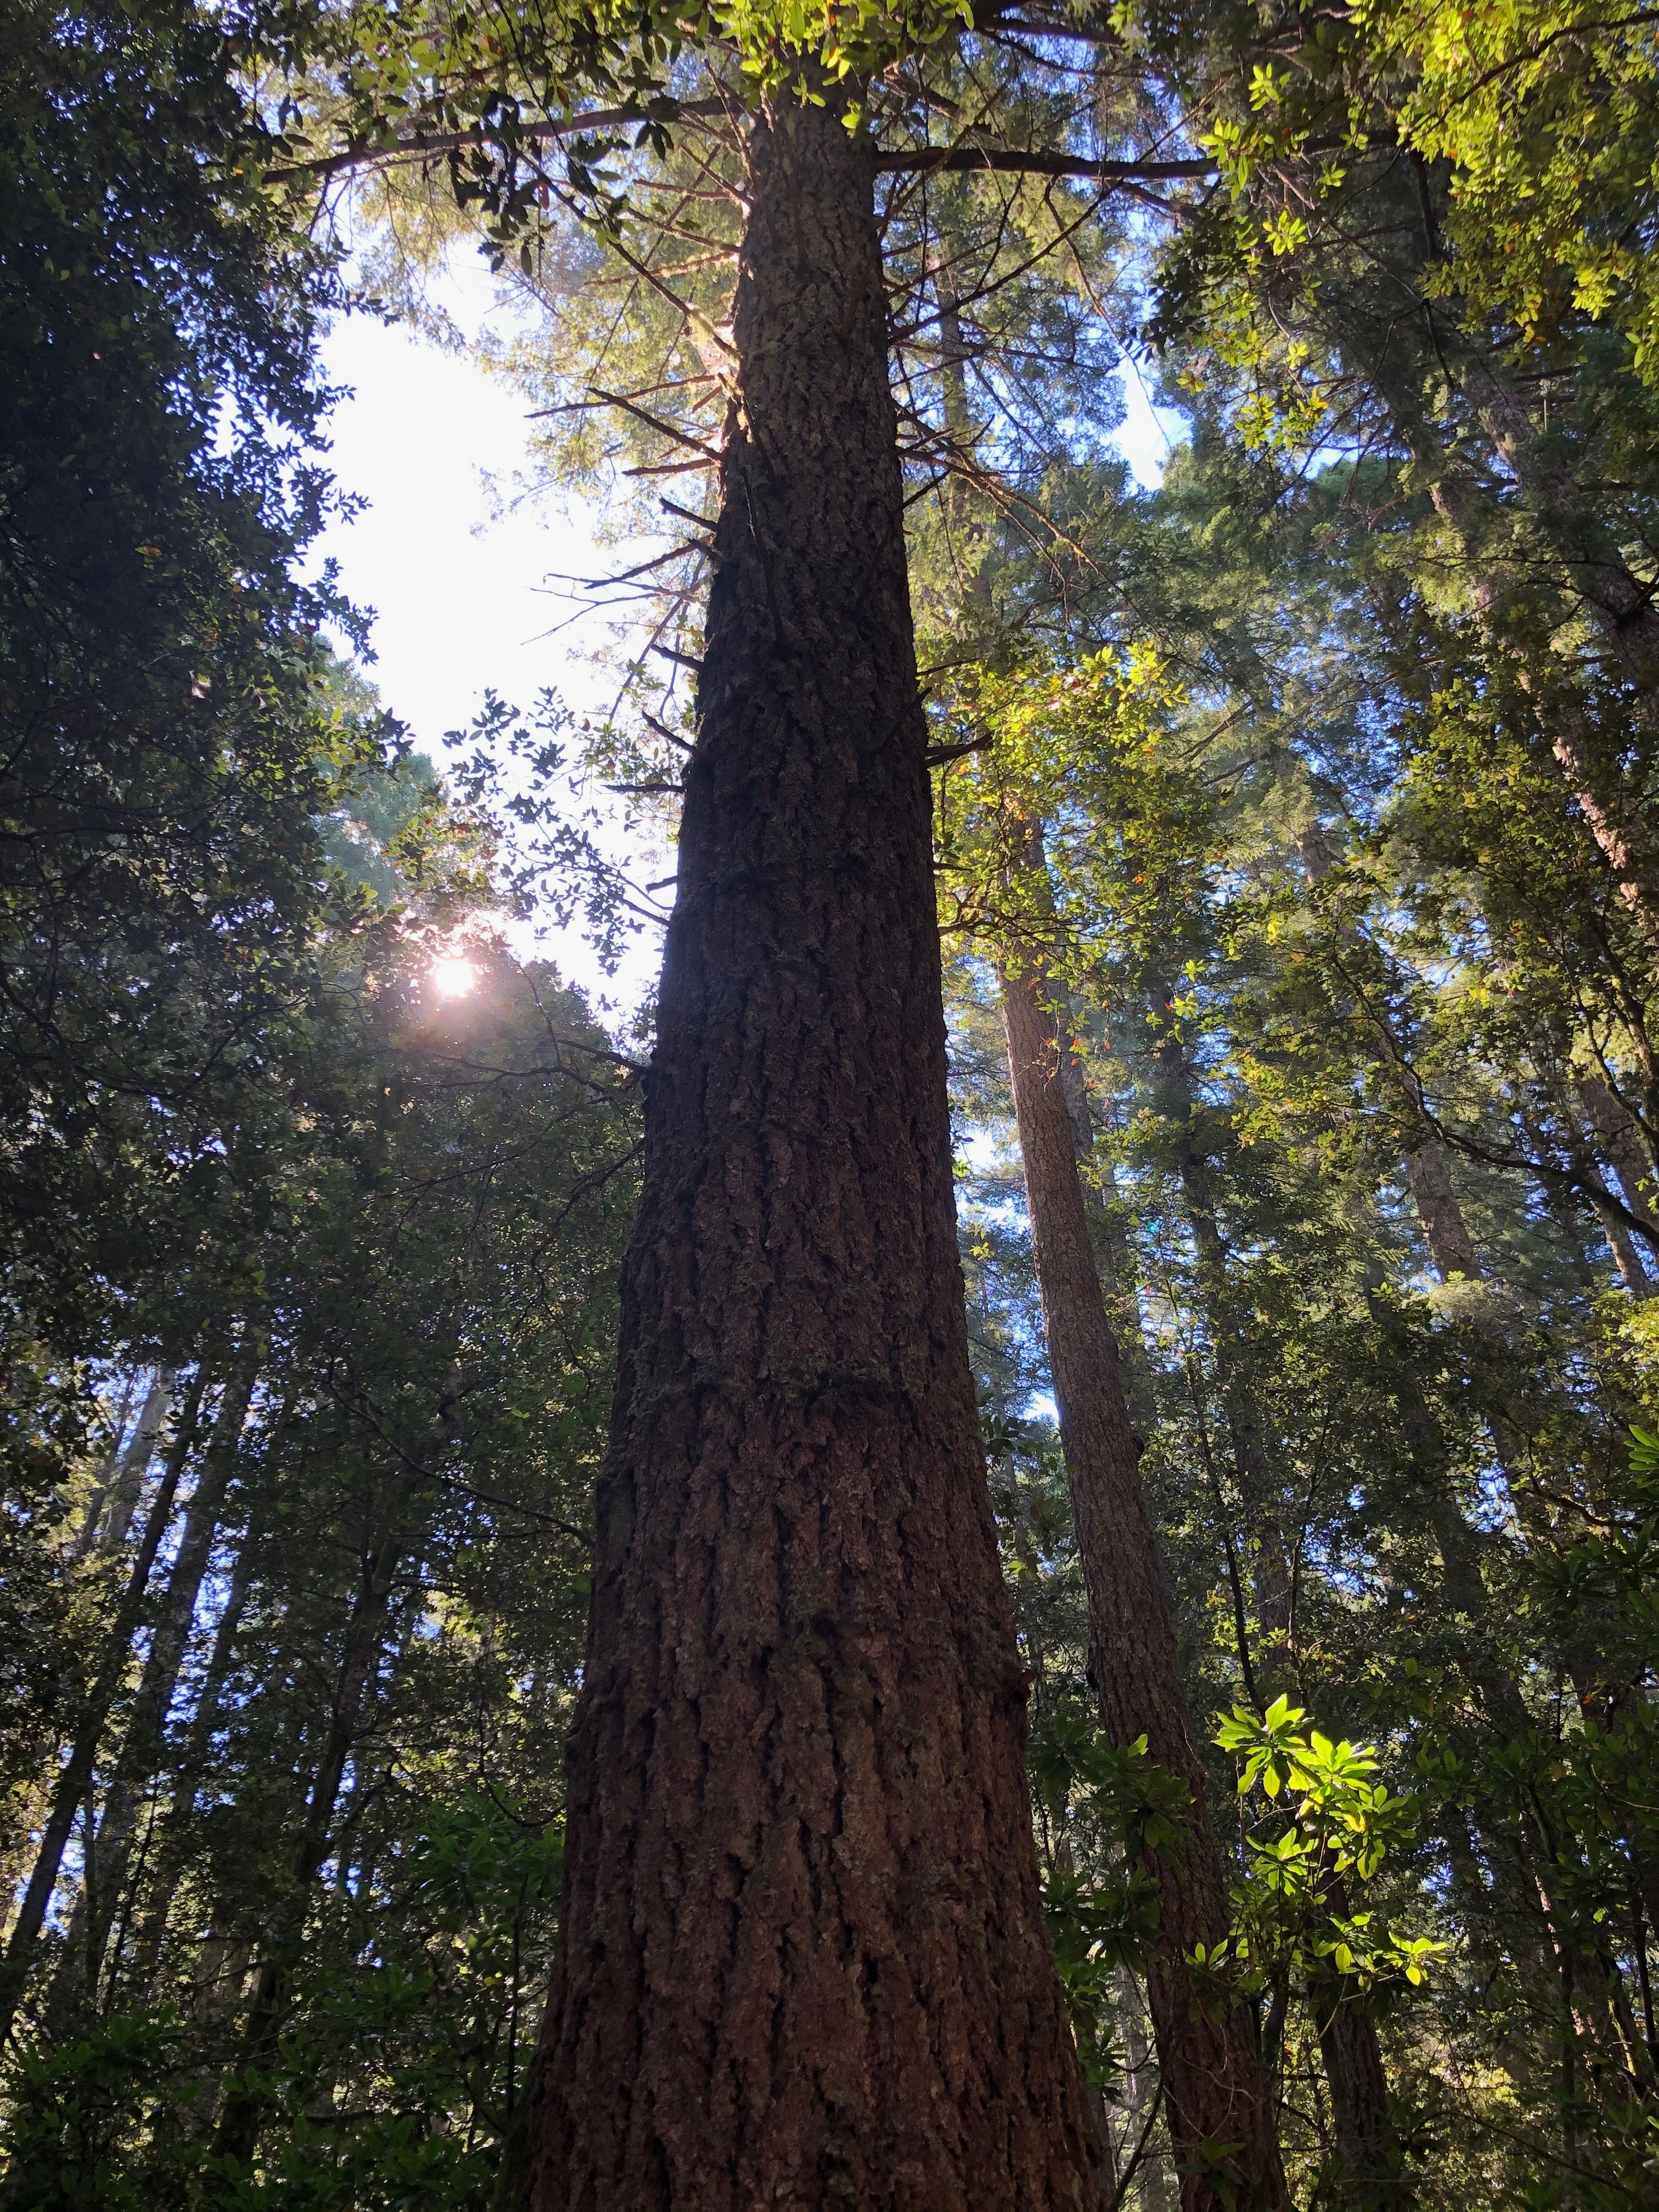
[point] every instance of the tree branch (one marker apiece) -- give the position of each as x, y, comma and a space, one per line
1035, 161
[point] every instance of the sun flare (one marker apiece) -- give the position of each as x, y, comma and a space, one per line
451, 976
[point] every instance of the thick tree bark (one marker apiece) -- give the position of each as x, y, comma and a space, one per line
1366, 2142
802, 1961
1214, 2089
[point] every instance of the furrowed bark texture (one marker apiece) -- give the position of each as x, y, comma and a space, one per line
802, 1961
1214, 2087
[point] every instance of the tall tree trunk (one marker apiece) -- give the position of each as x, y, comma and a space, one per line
1367, 2142
110, 1507
1625, 1146
1260, 1489
1571, 521
179, 1838
1620, 605
1215, 2092
142, 1749
246, 2101
803, 1959
74, 1778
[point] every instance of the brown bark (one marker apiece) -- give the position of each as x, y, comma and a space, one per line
802, 1961
1366, 2144
1213, 2086
1625, 1147
1451, 1248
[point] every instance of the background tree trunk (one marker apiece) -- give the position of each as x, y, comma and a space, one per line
142, 1749
69, 1791
803, 1959
1214, 2089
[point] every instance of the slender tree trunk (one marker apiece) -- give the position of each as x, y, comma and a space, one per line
1619, 602
1593, 569
1214, 2089
1366, 2142
69, 1793
1593, 1979
803, 1959
142, 1750
1451, 1248
1109, 1240
1611, 810
179, 1835
110, 1507
246, 2101
1625, 1147
1261, 1492
1152, 2179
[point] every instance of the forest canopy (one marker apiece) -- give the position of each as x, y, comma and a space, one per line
1004, 1555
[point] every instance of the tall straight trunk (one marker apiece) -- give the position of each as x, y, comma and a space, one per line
75, 1777
247, 2101
1625, 1146
1109, 1240
1367, 2142
143, 1747
1591, 1977
1616, 600
1569, 520
112, 1505
803, 1959
179, 1836
1215, 2091
1262, 1491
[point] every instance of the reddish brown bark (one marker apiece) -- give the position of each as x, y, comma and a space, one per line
1366, 2144
802, 1961
1624, 1146
1215, 2093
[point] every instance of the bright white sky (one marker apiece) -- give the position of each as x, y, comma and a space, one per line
462, 602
